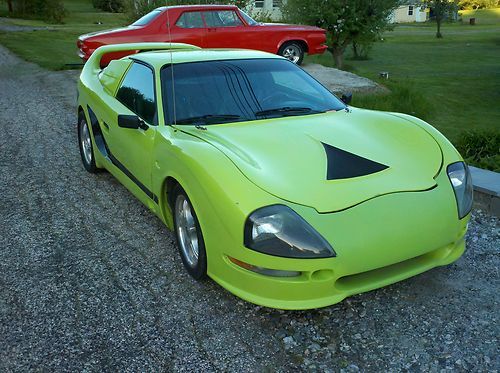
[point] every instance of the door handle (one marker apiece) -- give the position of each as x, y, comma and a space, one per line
212, 29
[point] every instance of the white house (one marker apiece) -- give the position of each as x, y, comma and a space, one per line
271, 8
409, 12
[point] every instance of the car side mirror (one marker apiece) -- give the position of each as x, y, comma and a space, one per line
346, 98
131, 121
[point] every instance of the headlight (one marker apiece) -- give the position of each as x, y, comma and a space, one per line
280, 231
460, 179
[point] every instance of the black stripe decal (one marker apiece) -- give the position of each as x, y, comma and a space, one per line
104, 149
342, 164
125, 170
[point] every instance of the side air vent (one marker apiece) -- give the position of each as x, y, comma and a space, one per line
344, 165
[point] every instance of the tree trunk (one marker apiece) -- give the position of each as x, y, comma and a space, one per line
438, 23
355, 50
338, 57
9, 5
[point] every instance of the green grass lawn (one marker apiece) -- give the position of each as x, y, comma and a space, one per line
55, 47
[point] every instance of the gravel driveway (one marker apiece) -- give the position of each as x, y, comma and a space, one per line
91, 280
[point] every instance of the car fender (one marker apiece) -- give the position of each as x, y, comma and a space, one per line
220, 194
288, 39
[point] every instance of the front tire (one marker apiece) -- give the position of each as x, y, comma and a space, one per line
85, 144
189, 236
292, 51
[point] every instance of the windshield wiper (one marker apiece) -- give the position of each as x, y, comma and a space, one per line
208, 119
287, 110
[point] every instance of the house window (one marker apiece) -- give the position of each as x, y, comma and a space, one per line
259, 3
277, 3
410, 10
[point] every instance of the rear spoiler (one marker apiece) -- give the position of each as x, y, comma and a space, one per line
94, 62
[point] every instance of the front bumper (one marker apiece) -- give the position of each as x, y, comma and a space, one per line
379, 242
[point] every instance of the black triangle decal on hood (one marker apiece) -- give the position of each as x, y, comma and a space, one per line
344, 165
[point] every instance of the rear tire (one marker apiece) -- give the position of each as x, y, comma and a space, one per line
188, 234
85, 144
292, 51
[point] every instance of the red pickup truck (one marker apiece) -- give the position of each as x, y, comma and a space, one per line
210, 26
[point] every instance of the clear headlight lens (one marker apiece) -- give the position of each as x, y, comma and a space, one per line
460, 179
280, 231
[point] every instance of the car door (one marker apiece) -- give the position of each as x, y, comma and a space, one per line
225, 29
189, 28
131, 149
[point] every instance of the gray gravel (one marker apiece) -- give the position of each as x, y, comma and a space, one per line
91, 280
339, 81
7, 26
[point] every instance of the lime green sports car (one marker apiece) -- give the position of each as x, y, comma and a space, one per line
276, 189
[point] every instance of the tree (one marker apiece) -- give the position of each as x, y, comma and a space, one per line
9, 6
346, 21
441, 9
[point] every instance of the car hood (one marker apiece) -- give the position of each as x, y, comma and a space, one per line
330, 161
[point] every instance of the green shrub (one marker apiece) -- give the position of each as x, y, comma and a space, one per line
402, 98
481, 148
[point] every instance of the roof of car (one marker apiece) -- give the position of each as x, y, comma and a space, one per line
193, 7
159, 58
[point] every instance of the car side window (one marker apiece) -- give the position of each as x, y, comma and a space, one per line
222, 18
137, 92
190, 20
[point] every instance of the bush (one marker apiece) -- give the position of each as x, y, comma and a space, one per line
481, 148
48, 10
113, 6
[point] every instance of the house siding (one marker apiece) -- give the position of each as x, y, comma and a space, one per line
401, 14
266, 7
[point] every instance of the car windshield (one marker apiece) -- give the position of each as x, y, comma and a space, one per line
248, 19
144, 20
212, 92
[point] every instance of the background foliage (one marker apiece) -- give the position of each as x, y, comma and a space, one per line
346, 21
49, 10
113, 6
478, 4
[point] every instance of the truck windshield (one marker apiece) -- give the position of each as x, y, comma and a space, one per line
211, 92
